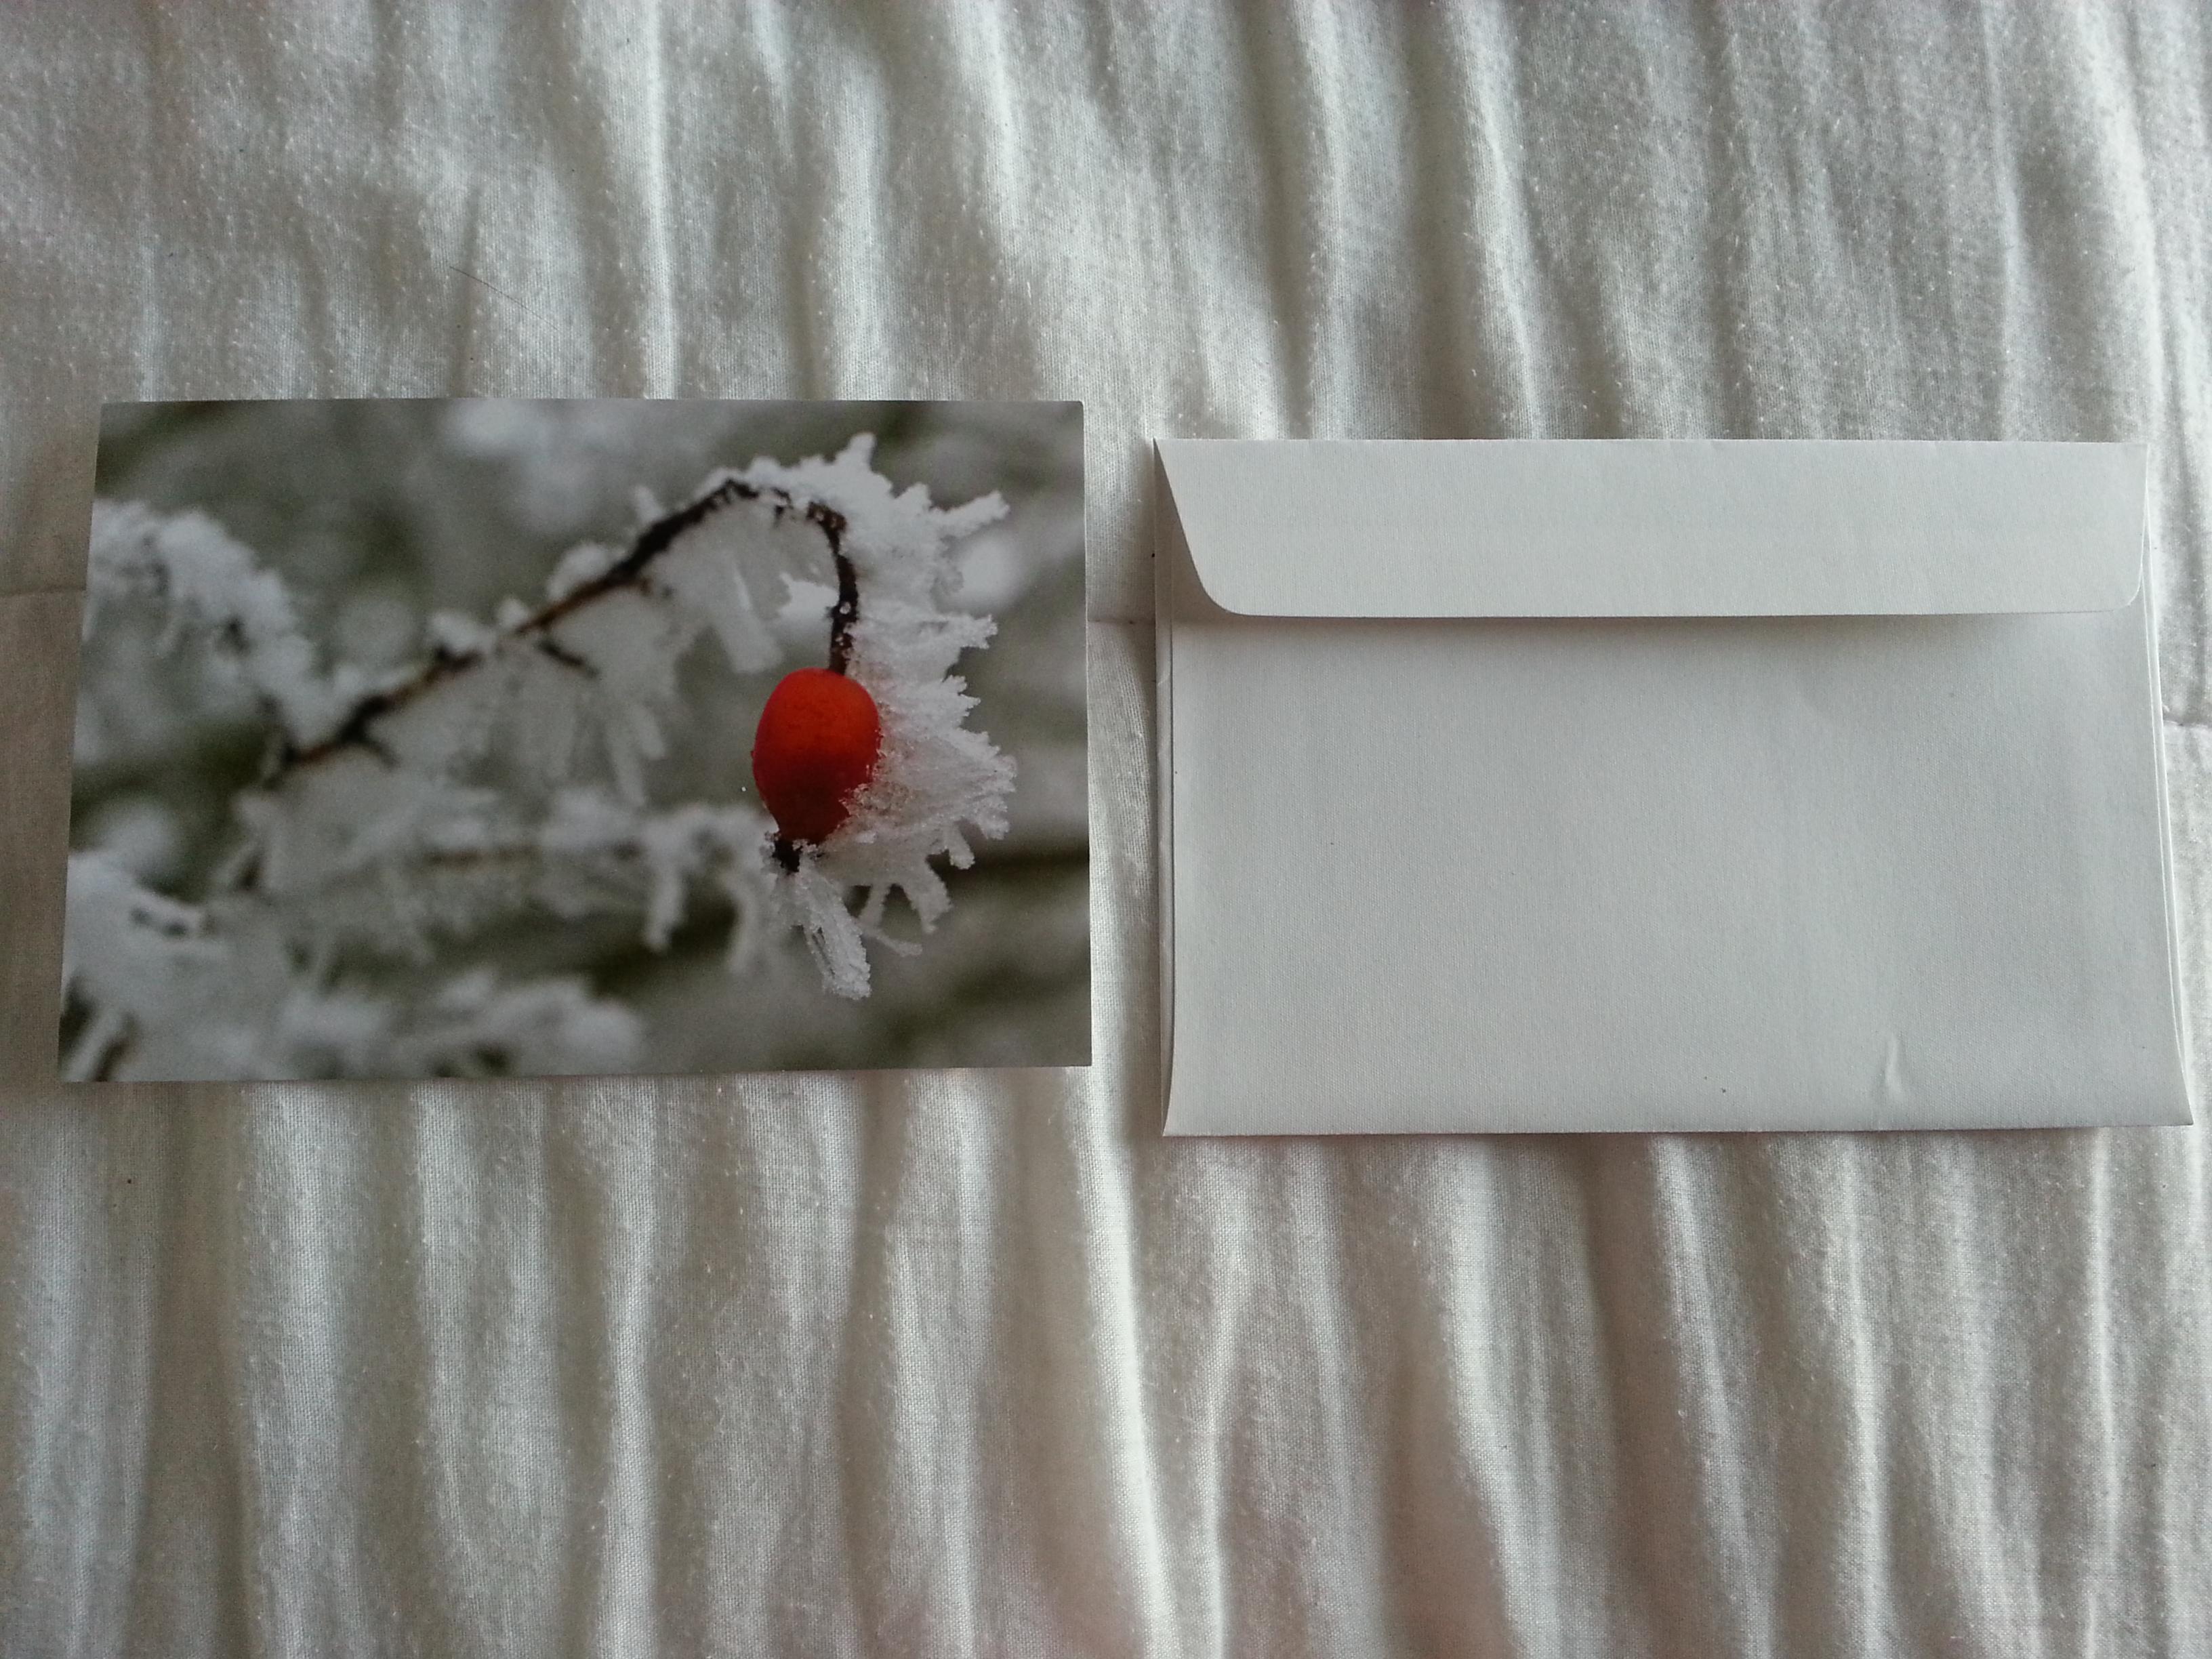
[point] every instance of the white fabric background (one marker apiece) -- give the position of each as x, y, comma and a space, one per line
973, 1363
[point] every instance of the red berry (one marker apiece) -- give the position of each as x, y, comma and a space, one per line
816, 747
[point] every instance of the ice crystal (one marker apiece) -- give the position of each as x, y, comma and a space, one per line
936, 779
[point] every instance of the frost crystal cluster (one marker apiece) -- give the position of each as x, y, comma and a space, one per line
510, 770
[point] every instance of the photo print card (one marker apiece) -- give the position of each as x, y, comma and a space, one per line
455, 739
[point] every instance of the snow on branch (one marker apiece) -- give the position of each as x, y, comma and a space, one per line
703, 587
183, 992
214, 591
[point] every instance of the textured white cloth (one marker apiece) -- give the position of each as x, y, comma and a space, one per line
961, 1363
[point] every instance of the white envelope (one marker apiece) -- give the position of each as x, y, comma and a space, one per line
1548, 786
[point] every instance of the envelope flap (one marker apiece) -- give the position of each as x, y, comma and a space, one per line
1689, 528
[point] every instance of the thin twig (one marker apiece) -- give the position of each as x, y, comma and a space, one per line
116, 1051
356, 729
100, 1047
846, 611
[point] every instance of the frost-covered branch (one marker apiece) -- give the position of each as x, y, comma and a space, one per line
591, 855
182, 992
400, 818
633, 572
211, 588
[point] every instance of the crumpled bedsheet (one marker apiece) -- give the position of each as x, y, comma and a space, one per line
942, 1364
